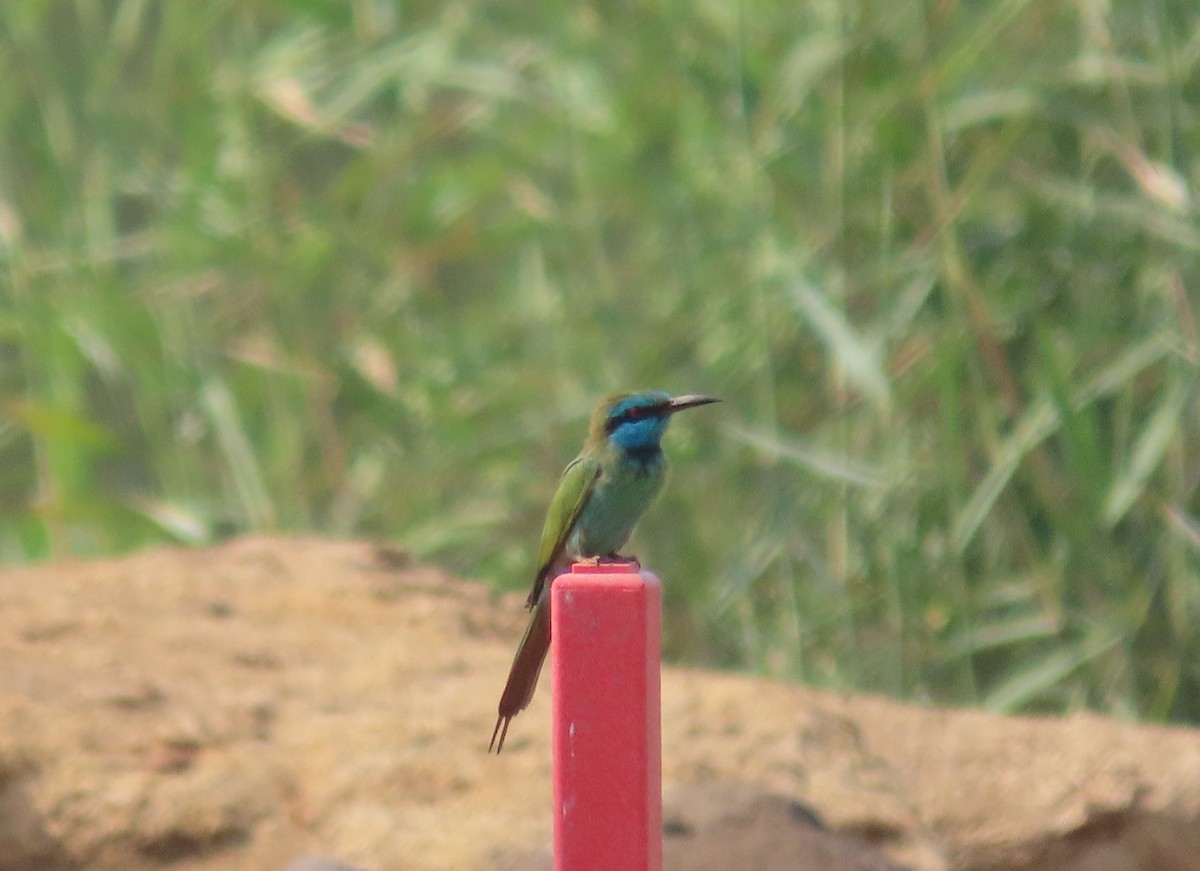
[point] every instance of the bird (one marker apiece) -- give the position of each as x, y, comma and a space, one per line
602, 494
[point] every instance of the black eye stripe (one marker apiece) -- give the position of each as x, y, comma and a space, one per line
629, 415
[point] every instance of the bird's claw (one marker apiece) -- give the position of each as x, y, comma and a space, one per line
608, 558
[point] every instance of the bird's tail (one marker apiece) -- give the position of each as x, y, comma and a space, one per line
523, 676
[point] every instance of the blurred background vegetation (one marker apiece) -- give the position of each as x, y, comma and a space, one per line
363, 267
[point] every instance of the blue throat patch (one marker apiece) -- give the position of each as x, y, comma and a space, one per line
641, 435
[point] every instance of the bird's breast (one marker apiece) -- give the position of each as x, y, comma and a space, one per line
622, 493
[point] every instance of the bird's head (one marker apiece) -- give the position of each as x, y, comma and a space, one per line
637, 421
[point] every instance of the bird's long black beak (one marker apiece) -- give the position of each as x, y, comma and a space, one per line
691, 400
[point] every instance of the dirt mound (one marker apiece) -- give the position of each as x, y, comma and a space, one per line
243, 706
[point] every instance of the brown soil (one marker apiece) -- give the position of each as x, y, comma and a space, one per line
241, 706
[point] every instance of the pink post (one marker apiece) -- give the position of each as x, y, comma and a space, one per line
606, 622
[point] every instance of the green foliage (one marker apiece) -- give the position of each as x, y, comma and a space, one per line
364, 267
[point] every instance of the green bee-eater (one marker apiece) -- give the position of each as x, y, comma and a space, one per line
602, 494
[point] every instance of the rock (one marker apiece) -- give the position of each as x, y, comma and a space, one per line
234, 707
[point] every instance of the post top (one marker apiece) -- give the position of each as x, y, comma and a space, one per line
626, 567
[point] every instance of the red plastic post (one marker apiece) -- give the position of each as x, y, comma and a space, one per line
606, 625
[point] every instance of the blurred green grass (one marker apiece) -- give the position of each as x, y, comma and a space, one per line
363, 268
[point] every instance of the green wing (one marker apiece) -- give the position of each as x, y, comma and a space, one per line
574, 490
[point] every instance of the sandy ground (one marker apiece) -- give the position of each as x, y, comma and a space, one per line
242, 706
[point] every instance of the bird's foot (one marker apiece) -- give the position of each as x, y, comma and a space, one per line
607, 558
